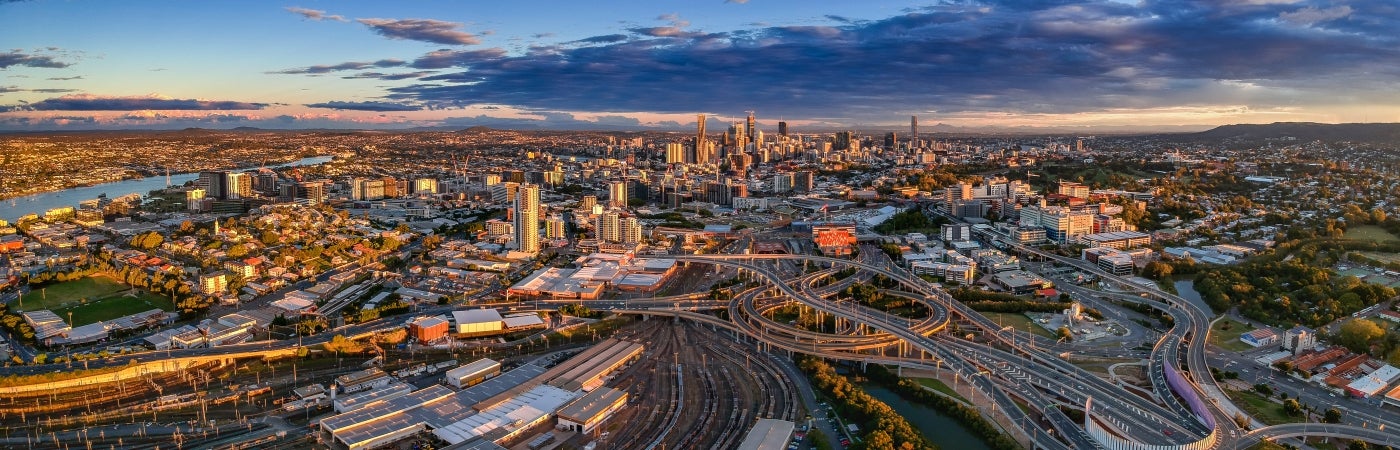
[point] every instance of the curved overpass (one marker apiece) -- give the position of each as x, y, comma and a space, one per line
1330, 430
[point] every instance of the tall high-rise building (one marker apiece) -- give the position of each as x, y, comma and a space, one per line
843, 141
554, 227
629, 230
587, 202
239, 185
913, 131
699, 132
527, 218
782, 129
617, 194
675, 153
265, 181
749, 130
705, 153
194, 200
608, 228
215, 184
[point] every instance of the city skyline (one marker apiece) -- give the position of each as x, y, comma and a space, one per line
1094, 65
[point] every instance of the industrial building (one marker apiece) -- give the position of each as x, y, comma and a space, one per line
363, 380
501, 408
353, 402
768, 434
585, 413
595, 273
472, 373
428, 329
477, 321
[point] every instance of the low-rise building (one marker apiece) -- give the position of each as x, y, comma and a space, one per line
586, 413
1020, 282
1260, 337
472, 373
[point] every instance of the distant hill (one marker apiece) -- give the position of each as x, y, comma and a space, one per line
1303, 131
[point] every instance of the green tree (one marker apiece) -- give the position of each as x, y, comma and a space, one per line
41, 358
1333, 415
1356, 335
238, 251
1291, 407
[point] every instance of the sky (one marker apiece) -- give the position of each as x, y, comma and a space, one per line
654, 64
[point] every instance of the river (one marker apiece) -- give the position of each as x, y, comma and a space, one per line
1185, 288
941, 430
15, 208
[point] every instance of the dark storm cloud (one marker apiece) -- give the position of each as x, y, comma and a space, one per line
365, 106
426, 30
83, 102
20, 58
351, 65
1012, 55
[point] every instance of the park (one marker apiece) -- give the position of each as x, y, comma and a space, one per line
91, 299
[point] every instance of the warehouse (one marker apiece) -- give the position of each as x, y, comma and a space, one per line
428, 329
590, 372
478, 321
585, 413
388, 420
768, 434
506, 419
472, 373
523, 321
356, 401
363, 380
500, 408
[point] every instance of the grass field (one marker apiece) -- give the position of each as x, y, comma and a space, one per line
1389, 258
71, 293
1369, 233
106, 299
1262, 408
1226, 334
1372, 277
939, 386
113, 307
1020, 322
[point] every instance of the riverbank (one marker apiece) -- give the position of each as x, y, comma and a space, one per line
13, 208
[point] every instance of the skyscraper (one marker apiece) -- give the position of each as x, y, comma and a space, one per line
782, 129
913, 131
749, 128
843, 141
617, 194
239, 185
527, 218
675, 153
699, 132
215, 184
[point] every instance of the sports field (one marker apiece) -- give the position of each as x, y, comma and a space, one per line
92, 299
1369, 233
70, 293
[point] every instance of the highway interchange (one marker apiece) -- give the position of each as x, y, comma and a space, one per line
1000, 365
